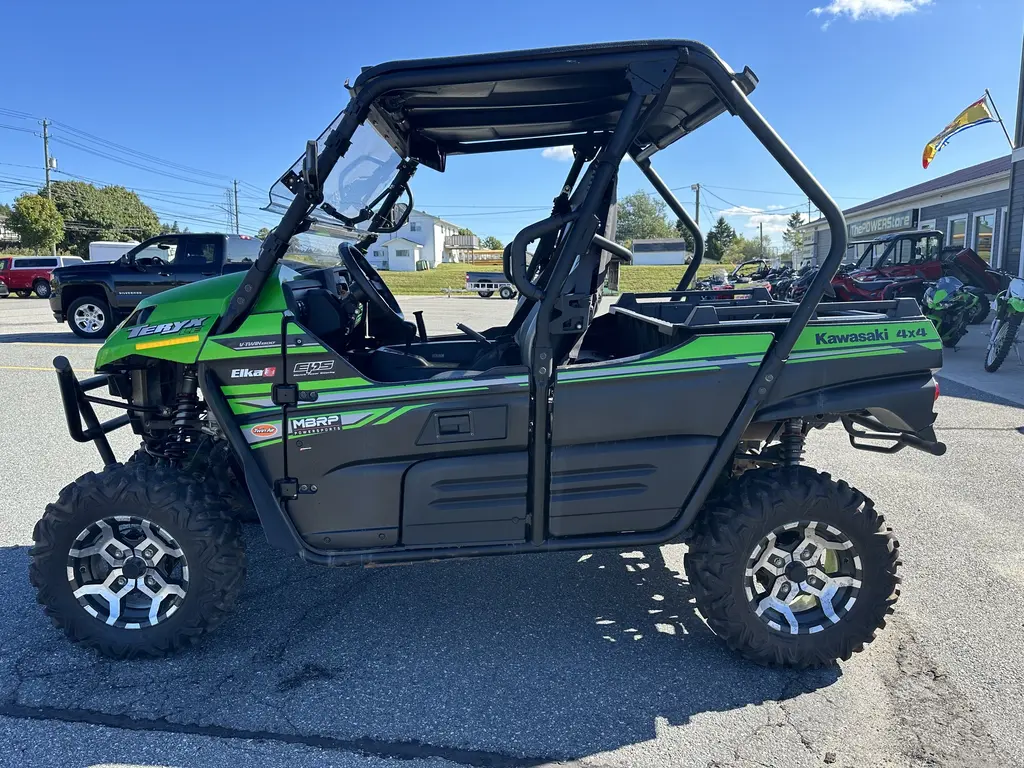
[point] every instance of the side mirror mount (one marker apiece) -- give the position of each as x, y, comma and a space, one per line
310, 172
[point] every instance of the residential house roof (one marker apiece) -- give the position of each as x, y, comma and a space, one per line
658, 244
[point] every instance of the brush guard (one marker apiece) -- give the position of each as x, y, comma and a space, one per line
78, 408
896, 439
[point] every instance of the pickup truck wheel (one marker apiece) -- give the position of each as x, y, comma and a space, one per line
23, 293
485, 294
90, 318
790, 567
137, 561
506, 293
42, 289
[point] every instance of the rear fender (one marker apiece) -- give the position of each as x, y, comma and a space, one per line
905, 403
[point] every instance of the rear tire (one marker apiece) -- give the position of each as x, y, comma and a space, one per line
507, 293
1002, 340
981, 312
728, 548
90, 318
98, 598
42, 289
485, 294
24, 293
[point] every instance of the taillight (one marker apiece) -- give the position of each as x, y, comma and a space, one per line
936, 390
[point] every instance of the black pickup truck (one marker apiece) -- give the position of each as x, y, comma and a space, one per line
94, 297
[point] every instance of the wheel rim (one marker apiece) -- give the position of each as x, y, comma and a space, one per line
42, 290
803, 577
89, 318
127, 572
996, 342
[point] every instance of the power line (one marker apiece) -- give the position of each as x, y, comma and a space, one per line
133, 164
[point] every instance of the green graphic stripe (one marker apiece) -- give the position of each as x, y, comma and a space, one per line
400, 412
715, 346
635, 374
844, 355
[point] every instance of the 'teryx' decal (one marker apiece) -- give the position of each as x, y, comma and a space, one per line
164, 329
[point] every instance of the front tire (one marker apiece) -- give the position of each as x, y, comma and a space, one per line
42, 289
981, 310
90, 318
790, 567
506, 293
137, 561
1004, 333
24, 293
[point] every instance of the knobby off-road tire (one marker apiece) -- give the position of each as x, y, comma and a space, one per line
1008, 328
181, 521
221, 481
725, 548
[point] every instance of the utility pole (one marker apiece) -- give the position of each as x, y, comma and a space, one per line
761, 241
696, 188
808, 209
46, 167
236, 206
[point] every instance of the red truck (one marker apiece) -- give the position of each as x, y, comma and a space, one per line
24, 275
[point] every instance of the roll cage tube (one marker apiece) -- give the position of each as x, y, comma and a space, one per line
691, 226
356, 112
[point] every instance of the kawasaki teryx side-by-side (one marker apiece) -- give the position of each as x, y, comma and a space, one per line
312, 403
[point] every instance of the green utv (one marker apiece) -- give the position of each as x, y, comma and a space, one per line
312, 403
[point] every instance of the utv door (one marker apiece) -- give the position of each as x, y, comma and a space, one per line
423, 463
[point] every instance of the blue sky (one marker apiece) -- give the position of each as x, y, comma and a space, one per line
235, 89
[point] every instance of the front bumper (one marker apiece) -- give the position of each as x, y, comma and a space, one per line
78, 408
55, 305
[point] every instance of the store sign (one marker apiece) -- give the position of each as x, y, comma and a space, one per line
892, 222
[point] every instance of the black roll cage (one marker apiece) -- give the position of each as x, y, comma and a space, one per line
646, 97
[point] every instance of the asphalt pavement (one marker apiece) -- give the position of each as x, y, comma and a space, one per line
595, 659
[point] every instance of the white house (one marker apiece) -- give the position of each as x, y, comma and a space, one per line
424, 232
400, 255
660, 251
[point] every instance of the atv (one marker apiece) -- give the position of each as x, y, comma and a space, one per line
311, 402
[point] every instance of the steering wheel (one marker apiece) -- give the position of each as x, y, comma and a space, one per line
368, 283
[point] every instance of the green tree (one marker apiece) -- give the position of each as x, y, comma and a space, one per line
684, 233
465, 231
108, 213
748, 248
793, 237
641, 215
263, 234
492, 243
719, 239
169, 229
36, 221
5, 211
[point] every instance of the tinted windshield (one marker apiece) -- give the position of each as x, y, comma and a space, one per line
365, 171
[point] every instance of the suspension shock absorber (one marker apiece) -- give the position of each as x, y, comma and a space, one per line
792, 440
186, 416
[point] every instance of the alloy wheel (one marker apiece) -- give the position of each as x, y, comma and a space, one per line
90, 318
803, 577
127, 572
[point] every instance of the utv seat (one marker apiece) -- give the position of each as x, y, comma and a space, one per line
872, 285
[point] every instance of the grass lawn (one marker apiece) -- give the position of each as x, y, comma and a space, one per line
432, 281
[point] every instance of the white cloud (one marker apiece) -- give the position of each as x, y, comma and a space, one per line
868, 9
755, 217
562, 154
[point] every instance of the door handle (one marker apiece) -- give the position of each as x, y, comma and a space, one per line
164, 274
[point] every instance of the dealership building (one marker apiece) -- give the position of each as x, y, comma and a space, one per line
969, 206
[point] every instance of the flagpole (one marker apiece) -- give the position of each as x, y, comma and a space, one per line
999, 118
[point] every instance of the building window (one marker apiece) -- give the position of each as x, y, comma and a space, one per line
929, 224
956, 232
982, 238
415, 226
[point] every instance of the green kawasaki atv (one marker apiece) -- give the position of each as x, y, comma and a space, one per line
311, 403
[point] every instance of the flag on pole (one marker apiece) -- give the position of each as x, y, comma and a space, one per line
976, 114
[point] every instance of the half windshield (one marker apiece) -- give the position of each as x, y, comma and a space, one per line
365, 171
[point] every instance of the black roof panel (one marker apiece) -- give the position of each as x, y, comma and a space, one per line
499, 96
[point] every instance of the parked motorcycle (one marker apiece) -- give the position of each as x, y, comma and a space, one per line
1009, 313
950, 306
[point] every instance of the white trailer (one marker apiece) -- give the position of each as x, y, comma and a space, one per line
109, 250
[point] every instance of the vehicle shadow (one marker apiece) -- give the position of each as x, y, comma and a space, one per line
551, 657
48, 337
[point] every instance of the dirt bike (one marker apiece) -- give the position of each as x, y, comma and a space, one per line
950, 306
1009, 313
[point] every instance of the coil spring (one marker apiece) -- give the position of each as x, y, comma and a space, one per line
792, 440
186, 415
